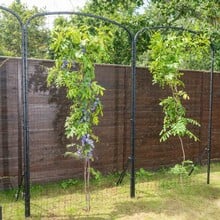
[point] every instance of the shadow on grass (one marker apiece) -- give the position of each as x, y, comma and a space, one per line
164, 196
70, 217
200, 201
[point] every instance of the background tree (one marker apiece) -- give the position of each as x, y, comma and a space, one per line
10, 34
196, 15
125, 12
193, 14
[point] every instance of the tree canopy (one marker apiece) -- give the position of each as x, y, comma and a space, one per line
124, 12
198, 15
10, 33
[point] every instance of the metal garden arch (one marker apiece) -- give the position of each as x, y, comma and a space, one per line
212, 57
24, 55
133, 41
25, 154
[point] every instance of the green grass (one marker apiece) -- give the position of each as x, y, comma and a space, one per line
158, 196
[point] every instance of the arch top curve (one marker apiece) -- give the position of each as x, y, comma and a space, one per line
131, 35
164, 28
14, 14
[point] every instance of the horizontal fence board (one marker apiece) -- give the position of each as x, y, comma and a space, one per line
48, 109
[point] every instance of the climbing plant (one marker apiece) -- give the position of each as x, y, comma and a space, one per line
167, 53
76, 51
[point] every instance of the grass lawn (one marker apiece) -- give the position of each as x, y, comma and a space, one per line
158, 196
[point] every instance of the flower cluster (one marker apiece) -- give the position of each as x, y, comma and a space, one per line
86, 140
87, 146
72, 66
95, 104
83, 48
85, 116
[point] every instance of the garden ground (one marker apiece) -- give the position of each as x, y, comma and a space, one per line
159, 195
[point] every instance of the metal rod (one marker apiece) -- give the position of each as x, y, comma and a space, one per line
26, 124
14, 14
133, 64
210, 113
0, 213
24, 91
133, 113
80, 14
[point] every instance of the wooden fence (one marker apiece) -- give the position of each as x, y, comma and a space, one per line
48, 109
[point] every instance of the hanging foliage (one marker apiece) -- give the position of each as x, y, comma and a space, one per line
76, 51
167, 54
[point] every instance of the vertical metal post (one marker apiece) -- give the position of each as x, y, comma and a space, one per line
0, 213
133, 111
210, 112
25, 123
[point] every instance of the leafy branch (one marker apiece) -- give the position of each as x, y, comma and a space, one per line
76, 50
166, 56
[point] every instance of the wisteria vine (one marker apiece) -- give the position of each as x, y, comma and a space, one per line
76, 51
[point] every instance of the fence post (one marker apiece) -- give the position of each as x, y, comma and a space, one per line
0, 213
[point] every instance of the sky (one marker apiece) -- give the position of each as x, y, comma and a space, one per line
50, 5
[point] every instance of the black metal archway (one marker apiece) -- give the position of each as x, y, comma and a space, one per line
212, 57
133, 39
24, 55
26, 135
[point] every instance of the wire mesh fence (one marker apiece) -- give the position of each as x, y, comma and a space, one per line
66, 199
46, 153
46, 142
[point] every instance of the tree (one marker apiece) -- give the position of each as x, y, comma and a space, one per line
172, 50
113, 7
10, 33
166, 53
202, 16
75, 54
124, 12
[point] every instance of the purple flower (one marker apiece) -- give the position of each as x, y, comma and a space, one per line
85, 116
88, 145
83, 49
83, 140
79, 153
95, 104
64, 64
74, 66
86, 140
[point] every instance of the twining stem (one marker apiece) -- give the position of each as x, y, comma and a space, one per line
182, 146
174, 90
86, 180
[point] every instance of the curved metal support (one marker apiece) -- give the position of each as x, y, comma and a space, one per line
25, 94
148, 29
13, 13
80, 14
134, 58
165, 28
211, 81
133, 40
25, 146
